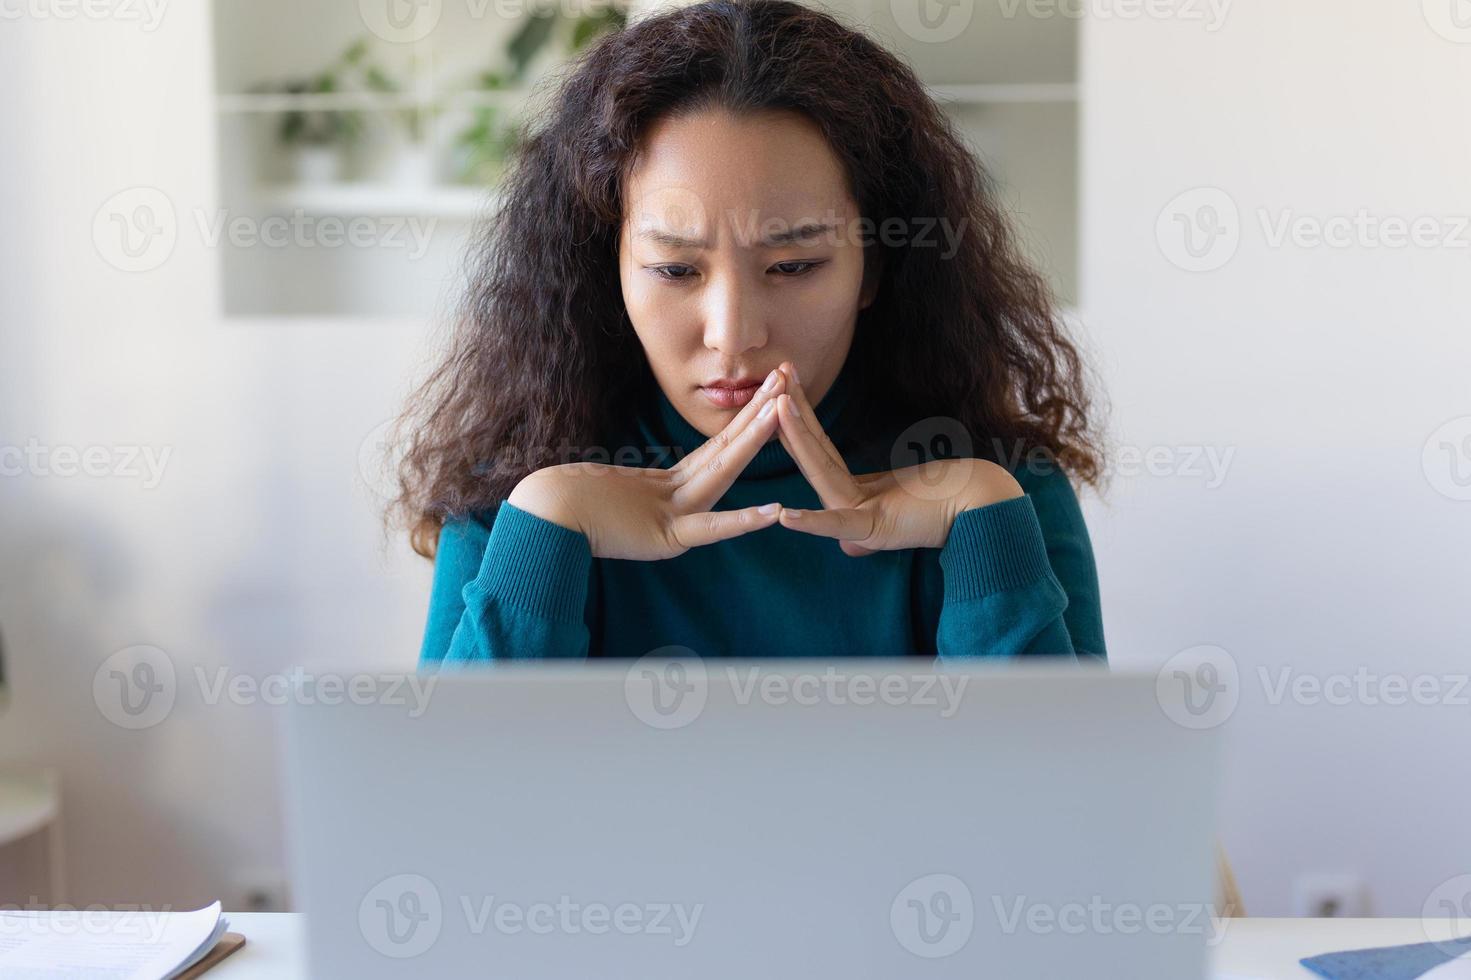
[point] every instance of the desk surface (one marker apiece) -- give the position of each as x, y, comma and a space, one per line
1260, 949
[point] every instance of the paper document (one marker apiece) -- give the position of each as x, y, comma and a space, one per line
88, 944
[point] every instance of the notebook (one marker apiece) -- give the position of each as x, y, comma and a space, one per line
1432, 961
115, 944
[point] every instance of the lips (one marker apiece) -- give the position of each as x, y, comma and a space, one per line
726, 395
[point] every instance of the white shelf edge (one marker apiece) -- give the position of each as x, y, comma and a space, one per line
446, 201
994, 94
244, 102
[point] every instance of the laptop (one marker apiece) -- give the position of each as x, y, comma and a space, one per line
678, 817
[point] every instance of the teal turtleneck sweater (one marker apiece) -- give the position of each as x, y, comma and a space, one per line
1014, 578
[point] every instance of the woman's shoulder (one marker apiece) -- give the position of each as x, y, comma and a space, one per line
1053, 495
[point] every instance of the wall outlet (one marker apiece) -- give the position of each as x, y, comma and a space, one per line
1330, 895
259, 890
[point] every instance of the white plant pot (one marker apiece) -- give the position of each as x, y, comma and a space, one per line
316, 165
412, 165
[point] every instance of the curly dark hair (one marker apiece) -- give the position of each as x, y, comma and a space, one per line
542, 350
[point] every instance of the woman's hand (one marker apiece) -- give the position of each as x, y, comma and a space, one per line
912, 507
649, 513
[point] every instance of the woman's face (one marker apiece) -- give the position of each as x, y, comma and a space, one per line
736, 253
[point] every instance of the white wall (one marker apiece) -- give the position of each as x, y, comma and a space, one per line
1327, 547
258, 548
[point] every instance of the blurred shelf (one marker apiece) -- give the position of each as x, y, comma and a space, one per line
984, 94
319, 102
440, 201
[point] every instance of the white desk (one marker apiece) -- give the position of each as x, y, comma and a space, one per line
1267, 949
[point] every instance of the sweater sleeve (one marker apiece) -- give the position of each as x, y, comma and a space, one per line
1019, 577
517, 588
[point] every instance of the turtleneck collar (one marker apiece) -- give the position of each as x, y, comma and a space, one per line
666, 427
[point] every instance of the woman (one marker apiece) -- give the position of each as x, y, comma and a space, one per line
751, 365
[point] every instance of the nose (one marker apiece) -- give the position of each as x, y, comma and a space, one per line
735, 320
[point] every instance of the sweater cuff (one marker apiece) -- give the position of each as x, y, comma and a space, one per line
536, 565
994, 548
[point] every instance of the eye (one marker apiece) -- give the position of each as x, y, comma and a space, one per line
785, 268
673, 273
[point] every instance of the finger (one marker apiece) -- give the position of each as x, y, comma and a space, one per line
707, 483
708, 527
799, 395
846, 524
694, 461
828, 476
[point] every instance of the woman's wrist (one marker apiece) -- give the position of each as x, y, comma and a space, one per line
991, 484
537, 494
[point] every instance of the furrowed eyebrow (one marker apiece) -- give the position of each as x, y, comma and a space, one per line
661, 237
800, 233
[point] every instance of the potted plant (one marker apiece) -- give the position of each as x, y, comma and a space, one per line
411, 161
482, 146
315, 137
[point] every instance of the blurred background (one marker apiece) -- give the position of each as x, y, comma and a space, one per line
232, 233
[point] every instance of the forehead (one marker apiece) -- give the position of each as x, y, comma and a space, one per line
770, 164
